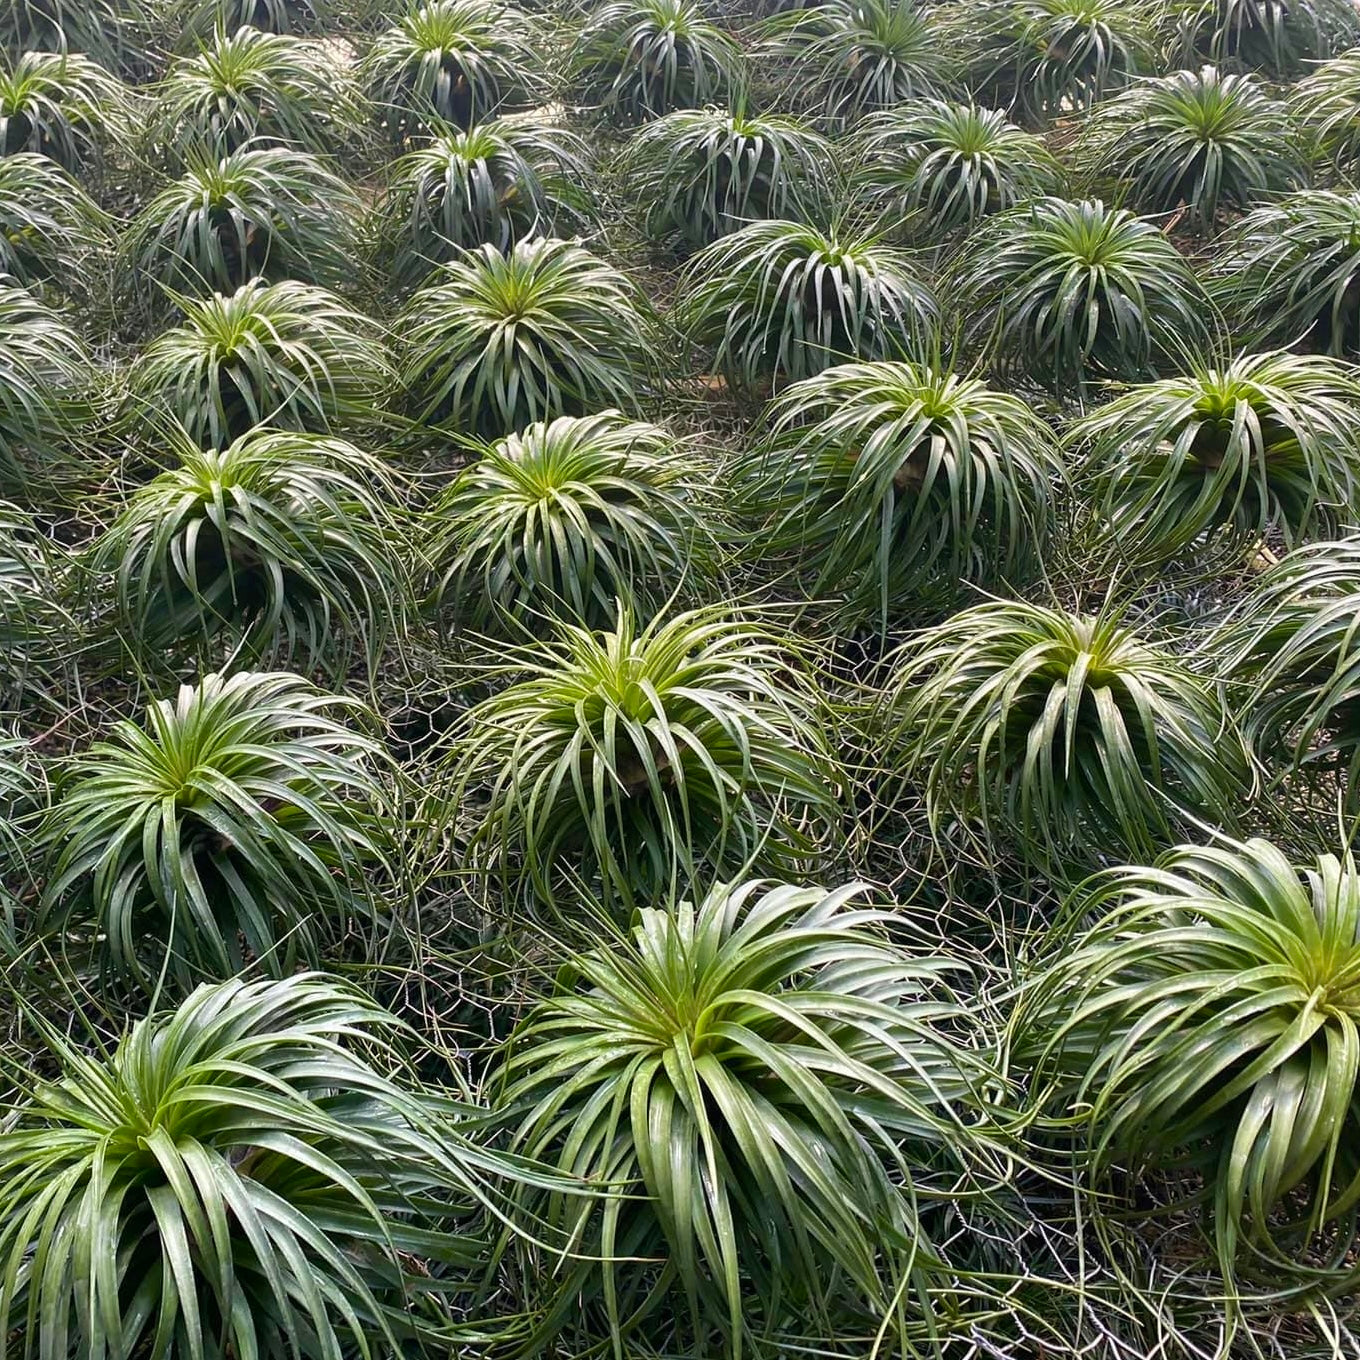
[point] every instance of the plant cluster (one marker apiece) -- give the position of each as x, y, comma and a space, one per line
679, 678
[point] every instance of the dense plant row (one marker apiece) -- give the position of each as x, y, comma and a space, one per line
679, 680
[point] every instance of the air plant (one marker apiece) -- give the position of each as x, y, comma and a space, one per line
934, 167
1279, 37
1198, 142
1068, 734
270, 213
1067, 291
860, 56
451, 63
47, 377
497, 341
1264, 445
782, 1096
637, 59
894, 481
703, 173
1290, 653
254, 1172
281, 354
782, 300
254, 89
498, 183
643, 755
574, 518
61, 105
1289, 271
281, 542
1047, 57
241, 825
1208, 1022
49, 225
